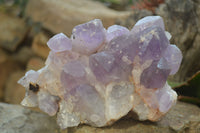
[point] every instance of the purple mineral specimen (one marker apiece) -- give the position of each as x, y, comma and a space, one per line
98, 76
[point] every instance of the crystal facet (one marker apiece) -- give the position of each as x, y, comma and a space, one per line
59, 43
98, 76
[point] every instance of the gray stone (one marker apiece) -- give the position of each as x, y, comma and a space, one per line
62, 15
183, 117
17, 119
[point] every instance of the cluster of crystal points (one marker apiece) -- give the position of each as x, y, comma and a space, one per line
97, 76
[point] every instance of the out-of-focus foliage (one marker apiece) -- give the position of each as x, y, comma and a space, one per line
175, 84
13, 3
190, 90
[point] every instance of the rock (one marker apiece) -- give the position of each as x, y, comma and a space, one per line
7, 66
3, 58
23, 55
39, 45
13, 31
63, 15
14, 92
185, 32
35, 63
180, 116
17, 119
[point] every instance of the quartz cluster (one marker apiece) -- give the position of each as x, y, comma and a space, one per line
98, 76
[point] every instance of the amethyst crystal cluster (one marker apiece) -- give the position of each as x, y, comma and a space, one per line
97, 76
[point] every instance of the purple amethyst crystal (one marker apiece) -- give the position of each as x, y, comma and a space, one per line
88, 37
98, 76
151, 75
115, 31
48, 103
152, 43
73, 74
172, 57
147, 22
103, 66
59, 43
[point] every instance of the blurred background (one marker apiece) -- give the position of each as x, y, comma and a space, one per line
26, 26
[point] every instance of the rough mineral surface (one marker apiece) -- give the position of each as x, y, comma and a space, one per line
97, 76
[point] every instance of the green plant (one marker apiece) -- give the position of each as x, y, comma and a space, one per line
189, 91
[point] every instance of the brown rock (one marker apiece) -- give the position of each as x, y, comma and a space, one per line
35, 64
7, 66
3, 56
14, 93
39, 45
3, 73
23, 55
12, 31
63, 15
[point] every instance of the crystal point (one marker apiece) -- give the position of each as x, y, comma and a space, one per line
59, 43
115, 31
88, 37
